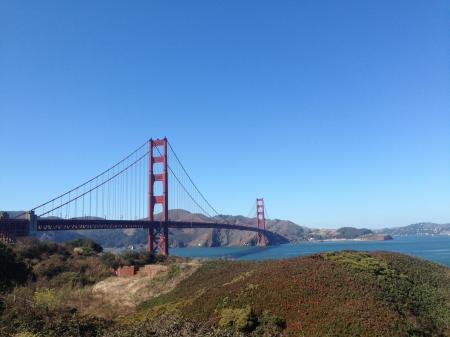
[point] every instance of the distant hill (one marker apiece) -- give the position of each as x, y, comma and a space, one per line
351, 232
288, 231
423, 228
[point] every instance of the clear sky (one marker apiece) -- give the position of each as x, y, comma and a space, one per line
337, 112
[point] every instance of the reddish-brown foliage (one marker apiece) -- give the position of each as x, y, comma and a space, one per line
317, 295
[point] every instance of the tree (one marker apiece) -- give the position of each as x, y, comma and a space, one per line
87, 246
12, 270
110, 260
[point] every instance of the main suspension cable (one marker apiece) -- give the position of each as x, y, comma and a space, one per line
184, 188
101, 184
97, 176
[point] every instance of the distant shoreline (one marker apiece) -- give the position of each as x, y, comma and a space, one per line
377, 237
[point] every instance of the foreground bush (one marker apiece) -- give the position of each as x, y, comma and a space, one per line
170, 326
13, 271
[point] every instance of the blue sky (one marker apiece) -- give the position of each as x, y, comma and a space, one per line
337, 112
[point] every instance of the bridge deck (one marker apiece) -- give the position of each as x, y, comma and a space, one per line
44, 224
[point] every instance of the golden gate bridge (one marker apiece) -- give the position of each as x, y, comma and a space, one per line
133, 193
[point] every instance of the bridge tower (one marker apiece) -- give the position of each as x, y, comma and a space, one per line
261, 221
158, 235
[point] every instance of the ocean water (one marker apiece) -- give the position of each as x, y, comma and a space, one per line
434, 248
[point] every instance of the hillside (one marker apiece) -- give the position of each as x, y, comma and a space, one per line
329, 294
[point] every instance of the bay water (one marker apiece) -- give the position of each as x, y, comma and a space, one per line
435, 248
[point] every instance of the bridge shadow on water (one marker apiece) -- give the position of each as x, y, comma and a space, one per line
250, 251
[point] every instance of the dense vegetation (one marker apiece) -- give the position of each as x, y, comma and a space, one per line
330, 294
13, 272
45, 292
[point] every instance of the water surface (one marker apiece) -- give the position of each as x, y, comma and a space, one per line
434, 248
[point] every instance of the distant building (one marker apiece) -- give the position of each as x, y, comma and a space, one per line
126, 271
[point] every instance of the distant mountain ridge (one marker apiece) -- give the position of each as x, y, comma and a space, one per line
422, 228
285, 231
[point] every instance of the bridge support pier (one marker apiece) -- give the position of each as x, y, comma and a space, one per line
262, 240
150, 239
10, 229
158, 236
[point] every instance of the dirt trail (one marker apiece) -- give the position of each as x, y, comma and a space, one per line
129, 291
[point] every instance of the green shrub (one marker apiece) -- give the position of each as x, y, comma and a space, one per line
170, 326
110, 260
242, 319
174, 270
70, 279
269, 325
85, 247
44, 321
361, 261
138, 258
25, 334
410, 291
33, 249
13, 271
45, 298
50, 267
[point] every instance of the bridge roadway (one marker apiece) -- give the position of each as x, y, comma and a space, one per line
48, 224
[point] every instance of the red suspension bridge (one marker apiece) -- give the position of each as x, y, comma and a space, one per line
133, 193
